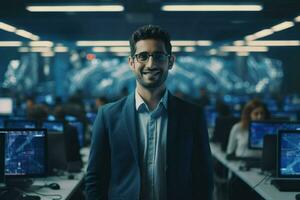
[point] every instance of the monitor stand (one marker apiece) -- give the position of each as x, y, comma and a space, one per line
19, 182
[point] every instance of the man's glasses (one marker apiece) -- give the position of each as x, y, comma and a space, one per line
143, 57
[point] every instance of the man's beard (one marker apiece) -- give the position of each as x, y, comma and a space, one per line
152, 84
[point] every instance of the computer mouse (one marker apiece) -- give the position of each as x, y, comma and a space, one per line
297, 196
54, 186
71, 176
244, 168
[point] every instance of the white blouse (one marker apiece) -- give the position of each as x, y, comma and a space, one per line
238, 142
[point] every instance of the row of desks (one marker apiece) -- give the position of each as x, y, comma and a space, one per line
259, 182
254, 178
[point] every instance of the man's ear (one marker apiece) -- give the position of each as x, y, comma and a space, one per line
171, 61
131, 62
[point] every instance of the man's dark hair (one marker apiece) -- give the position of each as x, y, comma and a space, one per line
150, 32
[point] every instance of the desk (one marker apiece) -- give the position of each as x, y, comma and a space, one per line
67, 186
252, 177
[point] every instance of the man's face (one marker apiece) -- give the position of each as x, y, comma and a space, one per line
151, 73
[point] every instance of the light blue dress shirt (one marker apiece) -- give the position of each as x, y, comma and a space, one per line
153, 147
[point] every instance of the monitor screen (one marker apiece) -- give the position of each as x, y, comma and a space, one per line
288, 153
91, 116
292, 116
17, 118
53, 126
70, 118
80, 130
48, 99
2, 156
2, 121
271, 104
20, 124
51, 117
6, 107
291, 107
257, 130
211, 118
25, 152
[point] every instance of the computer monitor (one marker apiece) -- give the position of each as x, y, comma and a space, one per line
48, 99
80, 131
25, 152
2, 121
2, 158
53, 126
20, 124
288, 151
290, 115
257, 130
17, 117
51, 117
291, 107
57, 156
6, 107
222, 130
211, 116
271, 104
91, 116
70, 118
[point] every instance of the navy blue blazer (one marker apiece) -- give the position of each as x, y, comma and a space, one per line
114, 167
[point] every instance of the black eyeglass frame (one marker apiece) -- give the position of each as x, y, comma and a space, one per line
151, 54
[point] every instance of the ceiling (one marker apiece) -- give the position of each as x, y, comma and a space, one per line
219, 27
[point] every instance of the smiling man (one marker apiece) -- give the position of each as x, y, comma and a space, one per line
150, 145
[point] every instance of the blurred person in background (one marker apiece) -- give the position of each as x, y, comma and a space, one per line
239, 134
238, 147
71, 139
29, 103
100, 101
38, 112
204, 98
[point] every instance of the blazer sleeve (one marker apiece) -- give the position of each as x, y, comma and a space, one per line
98, 170
202, 161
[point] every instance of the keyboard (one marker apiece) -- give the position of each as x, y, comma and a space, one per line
250, 162
253, 163
286, 184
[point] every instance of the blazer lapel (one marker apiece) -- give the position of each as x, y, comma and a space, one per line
129, 116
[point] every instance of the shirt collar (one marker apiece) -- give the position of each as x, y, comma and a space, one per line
139, 102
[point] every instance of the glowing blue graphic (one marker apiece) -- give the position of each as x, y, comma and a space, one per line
24, 152
290, 154
259, 129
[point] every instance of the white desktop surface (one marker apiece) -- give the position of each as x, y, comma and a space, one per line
67, 186
252, 177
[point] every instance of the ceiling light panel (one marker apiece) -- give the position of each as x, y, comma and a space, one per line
274, 43
103, 43
197, 7
7, 27
282, 26
10, 43
41, 44
77, 8
243, 49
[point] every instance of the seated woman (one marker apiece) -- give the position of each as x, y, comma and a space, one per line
239, 134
